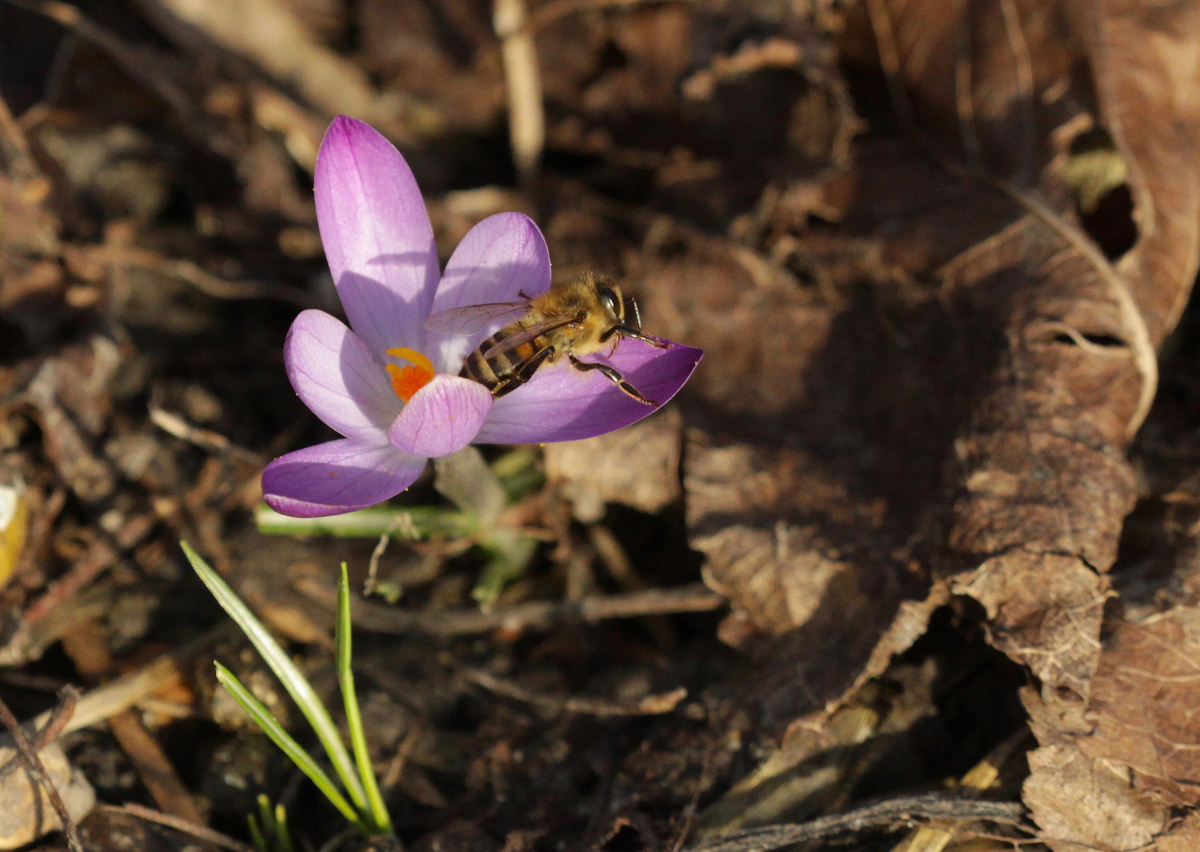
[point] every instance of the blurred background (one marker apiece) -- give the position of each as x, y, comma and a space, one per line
925, 506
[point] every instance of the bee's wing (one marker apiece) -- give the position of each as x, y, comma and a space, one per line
529, 332
470, 318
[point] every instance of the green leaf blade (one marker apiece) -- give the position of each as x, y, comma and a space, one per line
289, 674
354, 724
285, 743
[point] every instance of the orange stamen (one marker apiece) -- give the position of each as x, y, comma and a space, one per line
406, 381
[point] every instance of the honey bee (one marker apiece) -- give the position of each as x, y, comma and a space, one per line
573, 319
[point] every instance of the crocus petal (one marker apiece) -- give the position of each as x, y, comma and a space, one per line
336, 477
339, 379
442, 417
502, 257
377, 235
561, 403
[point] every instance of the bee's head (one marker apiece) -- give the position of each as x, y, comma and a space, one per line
614, 304
618, 308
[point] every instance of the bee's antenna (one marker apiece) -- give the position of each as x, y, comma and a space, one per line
637, 315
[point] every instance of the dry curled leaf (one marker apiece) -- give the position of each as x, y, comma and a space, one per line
637, 466
965, 390
1114, 786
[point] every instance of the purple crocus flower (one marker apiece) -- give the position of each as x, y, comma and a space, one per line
390, 386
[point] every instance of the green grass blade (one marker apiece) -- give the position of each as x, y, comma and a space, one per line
283, 740
266, 818
257, 838
354, 723
289, 675
283, 832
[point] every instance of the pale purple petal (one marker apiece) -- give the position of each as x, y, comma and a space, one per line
377, 235
442, 417
562, 404
500, 258
339, 378
337, 477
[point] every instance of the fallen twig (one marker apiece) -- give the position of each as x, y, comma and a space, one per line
135, 63
193, 274
198, 831
28, 755
535, 615
651, 705
174, 424
55, 721
526, 112
106, 701
87, 648
885, 814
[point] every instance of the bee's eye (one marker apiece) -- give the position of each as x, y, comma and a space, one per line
609, 298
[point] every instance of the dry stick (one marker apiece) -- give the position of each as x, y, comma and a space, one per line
174, 424
548, 13
1136, 332
15, 147
703, 783
369, 585
885, 814
395, 769
526, 112
198, 831
1027, 150
104, 702
154, 768
981, 777
536, 615
210, 285
651, 705
43, 611
103, 552
56, 721
87, 648
33, 762
132, 62
964, 103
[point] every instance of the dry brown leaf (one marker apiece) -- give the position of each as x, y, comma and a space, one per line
1183, 837
1144, 697
969, 390
1076, 801
1044, 485
1113, 787
637, 466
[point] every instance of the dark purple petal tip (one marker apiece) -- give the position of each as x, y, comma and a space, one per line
337, 477
561, 403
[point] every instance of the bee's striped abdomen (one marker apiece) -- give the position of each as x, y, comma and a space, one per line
500, 372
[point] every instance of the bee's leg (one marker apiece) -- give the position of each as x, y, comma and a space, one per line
628, 331
523, 373
505, 387
613, 376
